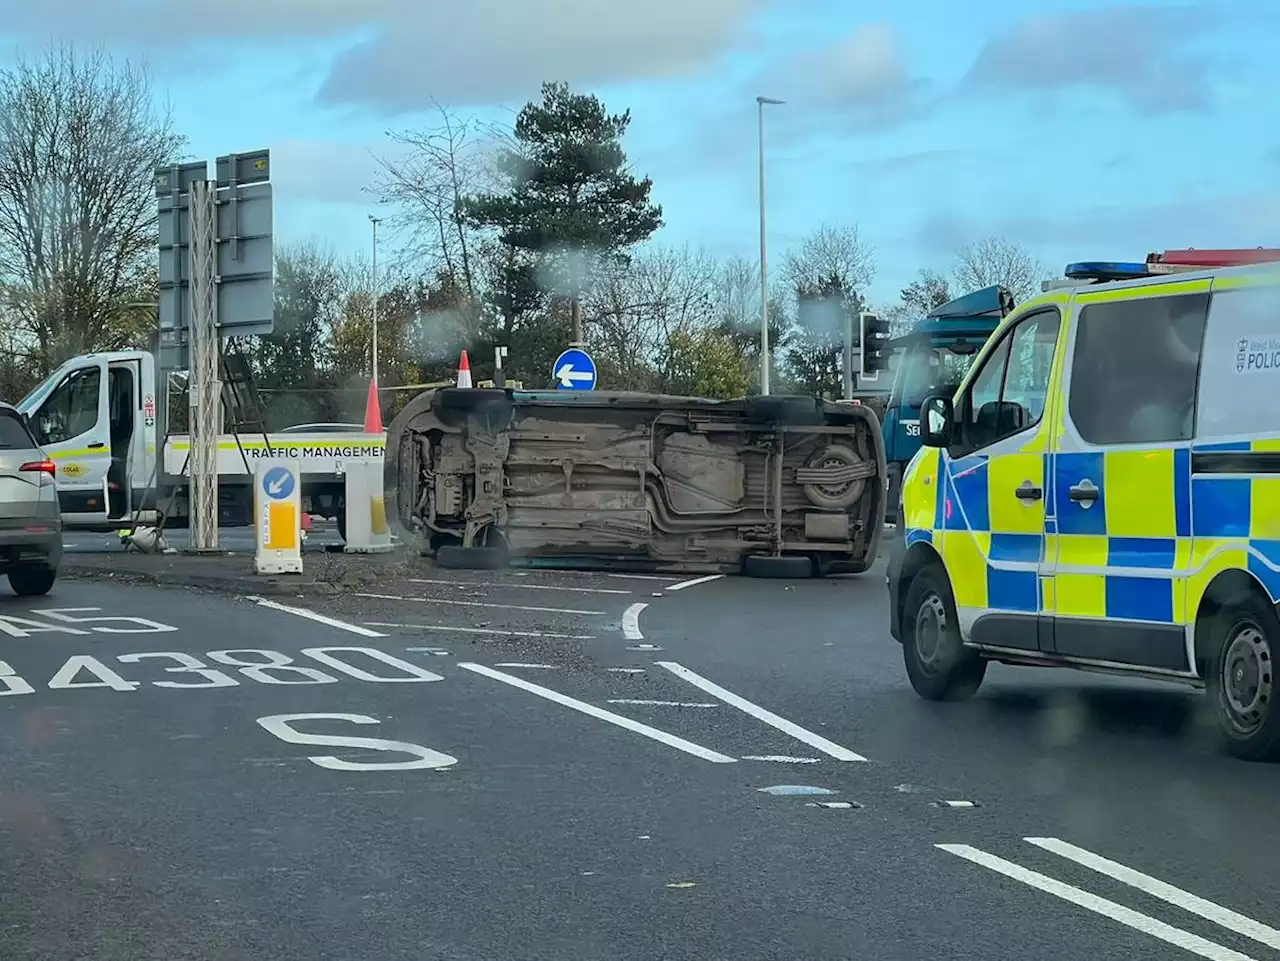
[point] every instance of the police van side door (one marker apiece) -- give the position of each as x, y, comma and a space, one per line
993, 504
1121, 519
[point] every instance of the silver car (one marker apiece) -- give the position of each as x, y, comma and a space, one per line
30, 521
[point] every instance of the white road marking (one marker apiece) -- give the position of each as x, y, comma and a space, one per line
600, 713
576, 573
695, 582
1224, 917
628, 700
631, 622
816, 741
957, 804
501, 607
780, 758
530, 667
643, 647
1092, 902
625, 670
318, 618
498, 632
523, 587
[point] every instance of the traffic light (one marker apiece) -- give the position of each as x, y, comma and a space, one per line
875, 344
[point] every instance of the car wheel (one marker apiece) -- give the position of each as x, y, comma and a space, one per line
784, 567
1242, 683
939, 666
32, 581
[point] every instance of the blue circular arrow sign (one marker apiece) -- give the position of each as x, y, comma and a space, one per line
574, 370
278, 483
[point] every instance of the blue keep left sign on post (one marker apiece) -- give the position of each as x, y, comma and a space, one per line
574, 370
277, 483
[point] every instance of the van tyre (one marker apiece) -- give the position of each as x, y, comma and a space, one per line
784, 567
939, 666
32, 581
1242, 688
455, 557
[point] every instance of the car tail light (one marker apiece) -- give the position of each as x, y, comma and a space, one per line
41, 467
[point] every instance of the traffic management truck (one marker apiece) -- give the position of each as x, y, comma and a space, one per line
933, 358
100, 418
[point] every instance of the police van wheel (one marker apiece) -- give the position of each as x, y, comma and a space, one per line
1242, 681
939, 666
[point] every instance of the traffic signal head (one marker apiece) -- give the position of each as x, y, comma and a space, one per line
875, 343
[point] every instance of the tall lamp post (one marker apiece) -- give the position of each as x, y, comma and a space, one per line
764, 261
375, 221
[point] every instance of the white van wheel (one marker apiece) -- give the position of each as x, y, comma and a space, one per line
1242, 681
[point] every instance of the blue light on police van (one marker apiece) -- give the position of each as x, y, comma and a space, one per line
1106, 270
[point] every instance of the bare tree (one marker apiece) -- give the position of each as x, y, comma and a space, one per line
830, 252
995, 260
80, 139
441, 165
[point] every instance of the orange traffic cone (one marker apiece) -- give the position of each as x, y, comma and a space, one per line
464, 371
372, 411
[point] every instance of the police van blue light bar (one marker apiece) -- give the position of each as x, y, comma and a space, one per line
1102, 270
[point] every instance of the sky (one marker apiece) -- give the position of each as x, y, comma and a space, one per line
1082, 130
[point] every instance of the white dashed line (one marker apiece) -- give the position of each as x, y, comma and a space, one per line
318, 618
631, 622
529, 667
780, 758
1098, 905
627, 700
662, 737
492, 631
523, 587
695, 582
815, 741
500, 607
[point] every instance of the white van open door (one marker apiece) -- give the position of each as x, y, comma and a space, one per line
72, 424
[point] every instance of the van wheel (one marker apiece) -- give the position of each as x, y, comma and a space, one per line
784, 567
939, 666
491, 553
1242, 680
32, 581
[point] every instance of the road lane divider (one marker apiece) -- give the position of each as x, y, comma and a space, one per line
508, 585
1098, 905
490, 631
631, 622
318, 618
815, 741
653, 733
694, 582
501, 607
1223, 917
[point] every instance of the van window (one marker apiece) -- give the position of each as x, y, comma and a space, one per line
1134, 370
1007, 396
72, 409
1240, 371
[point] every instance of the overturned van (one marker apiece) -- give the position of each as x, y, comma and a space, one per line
776, 486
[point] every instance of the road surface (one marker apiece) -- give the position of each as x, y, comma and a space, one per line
573, 766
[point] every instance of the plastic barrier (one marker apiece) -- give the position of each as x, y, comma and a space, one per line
367, 530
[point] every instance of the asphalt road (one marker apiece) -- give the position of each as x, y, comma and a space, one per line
579, 775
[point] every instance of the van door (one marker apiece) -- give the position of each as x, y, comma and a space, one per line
73, 427
124, 409
1122, 474
994, 496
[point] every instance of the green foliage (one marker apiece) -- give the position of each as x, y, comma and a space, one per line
816, 349
707, 363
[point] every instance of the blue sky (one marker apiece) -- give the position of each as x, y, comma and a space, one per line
1083, 130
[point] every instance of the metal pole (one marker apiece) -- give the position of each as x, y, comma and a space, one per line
375, 221
764, 260
205, 389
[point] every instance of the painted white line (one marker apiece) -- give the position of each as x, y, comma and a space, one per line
625, 670
318, 618
1224, 917
957, 804
628, 700
816, 741
631, 622
484, 630
600, 713
695, 582
1091, 902
577, 573
530, 667
780, 758
523, 587
501, 607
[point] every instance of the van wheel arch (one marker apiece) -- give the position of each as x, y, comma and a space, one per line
1227, 589
918, 557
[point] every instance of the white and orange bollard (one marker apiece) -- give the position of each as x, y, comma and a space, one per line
464, 371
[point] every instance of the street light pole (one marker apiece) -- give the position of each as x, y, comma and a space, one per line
375, 221
764, 260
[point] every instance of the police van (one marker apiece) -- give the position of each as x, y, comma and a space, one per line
1103, 492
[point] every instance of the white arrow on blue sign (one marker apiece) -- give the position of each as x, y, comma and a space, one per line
278, 483
574, 370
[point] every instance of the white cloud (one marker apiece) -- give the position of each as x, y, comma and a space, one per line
400, 54
326, 172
